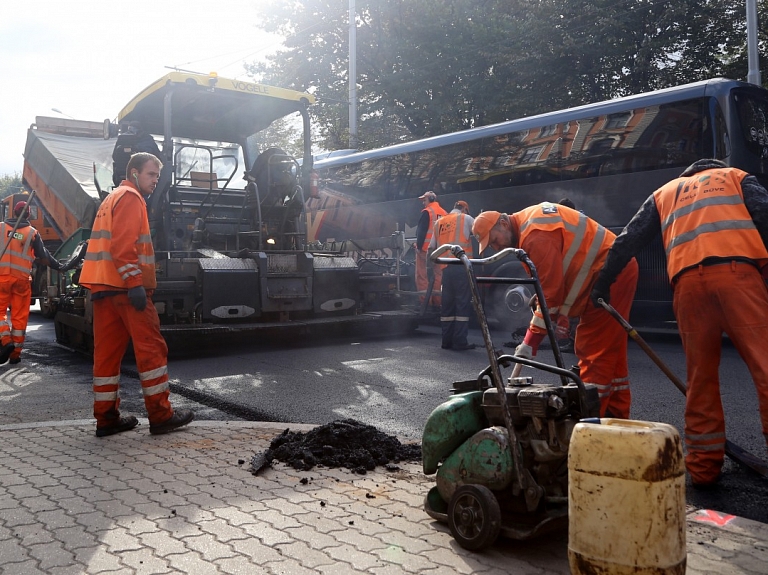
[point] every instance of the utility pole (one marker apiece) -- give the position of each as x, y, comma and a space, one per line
353, 76
753, 75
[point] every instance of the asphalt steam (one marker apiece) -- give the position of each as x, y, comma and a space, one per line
342, 443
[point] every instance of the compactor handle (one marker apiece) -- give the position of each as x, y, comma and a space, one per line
435, 256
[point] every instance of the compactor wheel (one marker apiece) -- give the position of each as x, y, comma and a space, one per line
474, 517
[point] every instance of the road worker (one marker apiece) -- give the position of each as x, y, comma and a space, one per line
424, 230
456, 305
713, 221
119, 269
568, 249
22, 247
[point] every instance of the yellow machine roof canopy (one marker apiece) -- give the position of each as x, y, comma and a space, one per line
211, 108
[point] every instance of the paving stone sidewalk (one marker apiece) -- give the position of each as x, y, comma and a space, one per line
186, 502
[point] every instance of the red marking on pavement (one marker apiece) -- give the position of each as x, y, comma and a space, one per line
714, 517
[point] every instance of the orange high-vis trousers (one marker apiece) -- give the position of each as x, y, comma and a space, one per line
731, 298
601, 346
422, 280
115, 322
16, 293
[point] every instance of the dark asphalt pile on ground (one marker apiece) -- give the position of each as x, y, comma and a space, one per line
343, 443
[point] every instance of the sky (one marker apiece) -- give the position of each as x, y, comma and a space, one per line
88, 58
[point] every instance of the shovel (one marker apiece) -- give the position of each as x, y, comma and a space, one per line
732, 450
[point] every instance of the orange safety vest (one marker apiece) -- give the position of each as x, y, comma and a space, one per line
98, 268
704, 216
19, 256
450, 230
435, 211
585, 247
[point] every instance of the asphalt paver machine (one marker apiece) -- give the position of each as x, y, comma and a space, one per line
500, 451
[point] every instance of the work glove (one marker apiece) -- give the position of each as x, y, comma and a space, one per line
562, 327
530, 345
600, 292
524, 350
138, 297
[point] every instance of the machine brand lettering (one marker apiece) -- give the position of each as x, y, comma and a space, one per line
248, 87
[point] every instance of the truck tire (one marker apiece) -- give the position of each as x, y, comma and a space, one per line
48, 310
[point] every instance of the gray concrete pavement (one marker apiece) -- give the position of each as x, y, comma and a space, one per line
187, 503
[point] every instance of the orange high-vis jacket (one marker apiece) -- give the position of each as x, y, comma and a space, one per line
20, 254
435, 211
116, 259
451, 229
585, 245
703, 216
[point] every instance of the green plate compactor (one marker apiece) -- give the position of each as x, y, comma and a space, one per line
500, 451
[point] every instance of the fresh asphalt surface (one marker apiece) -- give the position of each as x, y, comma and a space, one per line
392, 383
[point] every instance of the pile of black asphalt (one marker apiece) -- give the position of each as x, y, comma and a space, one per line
344, 443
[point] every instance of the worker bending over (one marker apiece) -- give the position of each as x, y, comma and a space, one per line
568, 249
713, 221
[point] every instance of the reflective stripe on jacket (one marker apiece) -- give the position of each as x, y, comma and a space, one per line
704, 216
435, 211
19, 255
99, 269
455, 229
585, 247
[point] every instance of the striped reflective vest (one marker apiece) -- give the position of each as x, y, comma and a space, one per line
451, 229
703, 216
585, 247
99, 269
435, 211
20, 254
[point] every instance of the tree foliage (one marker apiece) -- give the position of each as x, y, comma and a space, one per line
10, 184
426, 67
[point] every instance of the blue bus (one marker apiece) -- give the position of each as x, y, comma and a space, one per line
607, 157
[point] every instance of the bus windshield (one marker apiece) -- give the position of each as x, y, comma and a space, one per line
753, 118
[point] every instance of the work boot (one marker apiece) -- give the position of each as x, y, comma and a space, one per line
464, 347
121, 424
5, 353
180, 418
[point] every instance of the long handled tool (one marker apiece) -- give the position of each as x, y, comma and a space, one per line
732, 450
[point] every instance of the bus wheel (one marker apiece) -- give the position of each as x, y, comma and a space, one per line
509, 305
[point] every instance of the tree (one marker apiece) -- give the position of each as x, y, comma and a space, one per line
427, 67
10, 184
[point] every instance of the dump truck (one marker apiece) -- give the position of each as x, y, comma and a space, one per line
60, 157
228, 219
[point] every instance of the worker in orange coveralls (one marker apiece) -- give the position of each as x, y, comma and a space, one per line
568, 249
424, 231
713, 221
119, 269
21, 250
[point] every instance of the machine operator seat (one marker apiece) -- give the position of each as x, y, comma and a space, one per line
132, 139
272, 172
